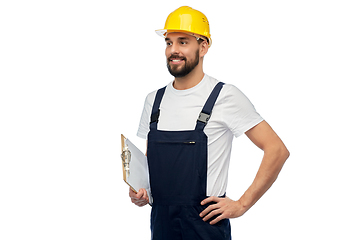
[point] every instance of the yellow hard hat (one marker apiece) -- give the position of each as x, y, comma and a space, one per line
188, 20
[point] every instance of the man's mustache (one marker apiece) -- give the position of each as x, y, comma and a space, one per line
175, 56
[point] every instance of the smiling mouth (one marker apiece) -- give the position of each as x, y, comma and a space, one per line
176, 60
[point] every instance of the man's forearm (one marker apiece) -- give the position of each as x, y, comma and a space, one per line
269, 170
275, 155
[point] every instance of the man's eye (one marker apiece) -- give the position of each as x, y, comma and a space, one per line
168, 44
183, 43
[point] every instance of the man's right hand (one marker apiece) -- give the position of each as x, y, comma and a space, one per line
140, 199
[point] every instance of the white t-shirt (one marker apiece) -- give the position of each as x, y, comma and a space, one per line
232, 115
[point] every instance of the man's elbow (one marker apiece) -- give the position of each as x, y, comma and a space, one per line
284, 153
280, 153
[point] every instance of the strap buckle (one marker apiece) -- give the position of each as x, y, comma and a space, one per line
203, 117
155, 117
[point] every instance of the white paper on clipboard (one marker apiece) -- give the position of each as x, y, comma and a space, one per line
137, 175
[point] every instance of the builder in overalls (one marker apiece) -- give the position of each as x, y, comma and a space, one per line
189, 126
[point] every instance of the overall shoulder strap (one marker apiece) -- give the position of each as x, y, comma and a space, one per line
205, 114
155, 113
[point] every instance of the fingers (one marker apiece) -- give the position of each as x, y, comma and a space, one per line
208, 209
211, 207
140, 193
212, 210
212, 214
139, 202
216, 220
131, 193
144, 195
209, 200
140, 199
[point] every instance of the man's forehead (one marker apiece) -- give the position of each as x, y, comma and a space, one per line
177, 35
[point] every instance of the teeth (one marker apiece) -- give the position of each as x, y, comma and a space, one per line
176, 60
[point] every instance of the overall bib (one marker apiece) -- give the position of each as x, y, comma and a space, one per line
178, 176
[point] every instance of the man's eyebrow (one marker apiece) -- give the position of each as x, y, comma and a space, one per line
183, 38
180, 38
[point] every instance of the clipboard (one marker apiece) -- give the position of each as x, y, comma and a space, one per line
134, 166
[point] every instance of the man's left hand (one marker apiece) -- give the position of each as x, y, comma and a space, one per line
224, 207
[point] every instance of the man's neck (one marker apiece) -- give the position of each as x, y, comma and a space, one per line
189, 81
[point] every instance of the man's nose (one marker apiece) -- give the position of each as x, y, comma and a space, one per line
175, 48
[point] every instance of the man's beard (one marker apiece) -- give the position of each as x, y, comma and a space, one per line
182, 71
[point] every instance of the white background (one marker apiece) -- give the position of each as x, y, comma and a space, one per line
74, 76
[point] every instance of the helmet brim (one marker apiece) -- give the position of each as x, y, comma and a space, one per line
163, 33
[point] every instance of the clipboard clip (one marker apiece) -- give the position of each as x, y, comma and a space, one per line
126, 158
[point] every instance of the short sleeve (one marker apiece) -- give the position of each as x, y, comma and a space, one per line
239, 114
143, 129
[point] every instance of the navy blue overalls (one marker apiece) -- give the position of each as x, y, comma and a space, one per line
178, 176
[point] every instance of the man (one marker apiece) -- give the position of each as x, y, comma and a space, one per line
189, 126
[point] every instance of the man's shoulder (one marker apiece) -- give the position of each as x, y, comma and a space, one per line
231, 94
231, 89
150, 97
227, 86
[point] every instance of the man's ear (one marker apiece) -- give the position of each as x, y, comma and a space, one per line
204, 47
